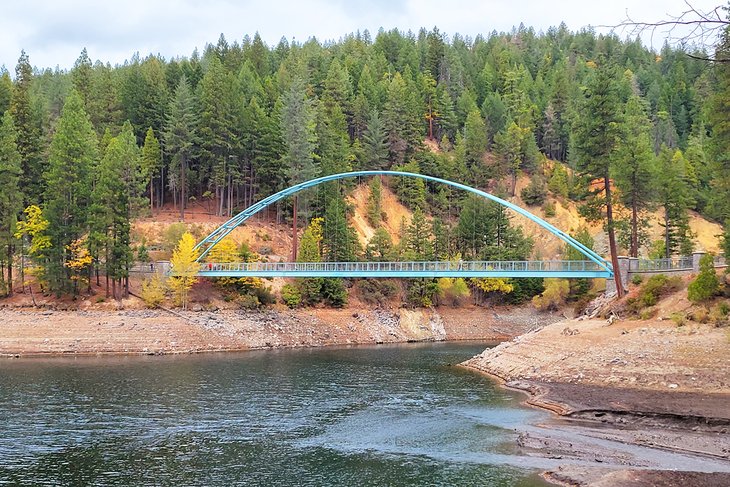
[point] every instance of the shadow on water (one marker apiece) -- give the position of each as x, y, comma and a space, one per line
387, 415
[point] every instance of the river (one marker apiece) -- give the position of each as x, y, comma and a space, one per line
387, 415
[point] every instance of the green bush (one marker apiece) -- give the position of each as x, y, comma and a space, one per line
291, 295
559, 183
334, 293
657, 286
637, 279
534, 193
375, 291
248, 301
264, 295
548, 209
706, 286
678, 319
654, 288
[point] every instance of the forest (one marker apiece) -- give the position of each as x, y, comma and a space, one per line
589, 117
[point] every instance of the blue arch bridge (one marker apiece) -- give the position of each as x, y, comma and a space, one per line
594, 266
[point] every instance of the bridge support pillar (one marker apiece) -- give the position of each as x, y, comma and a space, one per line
624, 266
696, 257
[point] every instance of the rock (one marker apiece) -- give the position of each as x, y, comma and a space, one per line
673, 386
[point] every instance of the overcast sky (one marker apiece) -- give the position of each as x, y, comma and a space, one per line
53, 32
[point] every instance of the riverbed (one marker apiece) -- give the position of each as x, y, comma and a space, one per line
387, 415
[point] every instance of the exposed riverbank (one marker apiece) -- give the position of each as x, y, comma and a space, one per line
647, 383
31, 332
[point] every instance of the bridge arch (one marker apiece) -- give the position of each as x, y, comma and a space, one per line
205, 245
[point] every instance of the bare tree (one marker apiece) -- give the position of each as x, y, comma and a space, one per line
693, 27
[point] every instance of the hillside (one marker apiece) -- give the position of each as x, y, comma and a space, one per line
273, 241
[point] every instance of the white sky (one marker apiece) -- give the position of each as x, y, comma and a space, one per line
53, 32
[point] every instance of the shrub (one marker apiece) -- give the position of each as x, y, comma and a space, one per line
719, 314
172, 235
153, 291
291, 295
678, 319
453, 290
264, 295
334, 293
657, 286
534, 193
637, 279
248, 301
706, 285
375, 291
700, 315
559, 183
647, 313
556, 290
548, 209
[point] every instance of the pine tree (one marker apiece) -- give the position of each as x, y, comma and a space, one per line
11, 199
151, 162
675, 196
180, 137
81, 75
220, 140
375, 143
29, 132
339, 241
596, 138
6, 90
719, 117
634, 170
73, 152
374, 205
400, 121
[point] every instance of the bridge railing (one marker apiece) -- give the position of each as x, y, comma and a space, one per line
417, 266
671, 264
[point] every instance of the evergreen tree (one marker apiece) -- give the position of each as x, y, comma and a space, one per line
339, 241
151, 162
374, 206
81, 75
634, 170
719, 115
298, 129
219, 138
675, 196
73, 152
29, 132
11, 199
180, 137
596, 138
401, 120
6, 90
375, 143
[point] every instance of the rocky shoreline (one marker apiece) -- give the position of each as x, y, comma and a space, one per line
28, 332
648, 417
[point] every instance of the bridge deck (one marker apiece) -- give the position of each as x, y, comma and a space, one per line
564, 269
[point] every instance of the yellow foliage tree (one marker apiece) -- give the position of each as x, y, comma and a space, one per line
153, 291
184, 269
556, 290
453, 290
227, 251
224, 251
493, 285
33, 229
79, 259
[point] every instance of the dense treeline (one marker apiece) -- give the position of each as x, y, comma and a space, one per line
98, 145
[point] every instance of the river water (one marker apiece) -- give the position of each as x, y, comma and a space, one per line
388, 415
